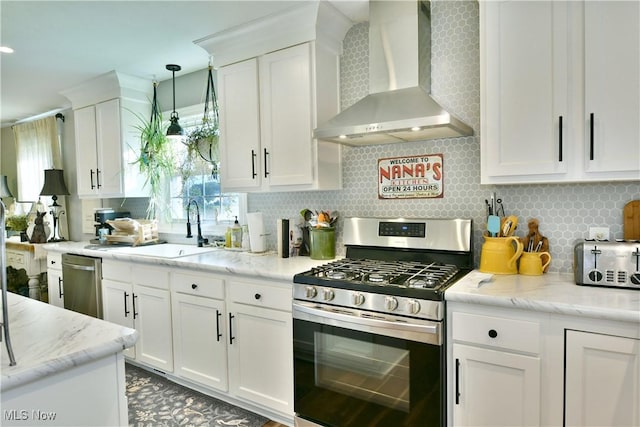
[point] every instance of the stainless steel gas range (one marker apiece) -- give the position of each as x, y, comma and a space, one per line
369, 329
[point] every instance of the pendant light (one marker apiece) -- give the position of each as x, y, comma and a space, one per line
174, 130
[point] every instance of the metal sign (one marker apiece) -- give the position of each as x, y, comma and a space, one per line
412, 177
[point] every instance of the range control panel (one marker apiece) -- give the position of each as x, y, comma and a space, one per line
401, 229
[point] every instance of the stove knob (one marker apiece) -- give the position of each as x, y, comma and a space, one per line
311, 292
414, 306
358, 298
391, 303
327, 294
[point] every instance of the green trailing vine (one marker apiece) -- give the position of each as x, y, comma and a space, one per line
156, 158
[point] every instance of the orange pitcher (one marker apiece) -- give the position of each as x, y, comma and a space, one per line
499, 255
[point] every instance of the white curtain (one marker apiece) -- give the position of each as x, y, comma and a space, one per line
37, 149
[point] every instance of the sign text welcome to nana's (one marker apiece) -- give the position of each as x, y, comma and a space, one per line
412, 177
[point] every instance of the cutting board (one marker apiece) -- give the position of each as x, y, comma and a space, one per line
631, 220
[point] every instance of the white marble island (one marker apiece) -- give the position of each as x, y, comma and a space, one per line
69, 370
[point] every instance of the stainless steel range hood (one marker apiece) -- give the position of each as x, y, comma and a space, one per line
399, 107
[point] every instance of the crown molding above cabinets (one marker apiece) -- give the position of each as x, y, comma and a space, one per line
111, 85
315, 21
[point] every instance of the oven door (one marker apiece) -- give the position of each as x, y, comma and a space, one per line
356, 368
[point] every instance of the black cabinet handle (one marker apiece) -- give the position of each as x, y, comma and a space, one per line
231, 337
60, 293
194, 286
457, 381
219, 335
126, 312
92, 184
253, 165
493, 333
591, 142
53, 262
266, 171
98, 177
257, 296
560, 139
135, 313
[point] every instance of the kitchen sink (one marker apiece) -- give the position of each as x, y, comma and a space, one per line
165, 250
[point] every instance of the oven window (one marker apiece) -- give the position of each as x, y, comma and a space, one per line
365, 370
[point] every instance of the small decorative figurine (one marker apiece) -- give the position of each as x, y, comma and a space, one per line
39, 234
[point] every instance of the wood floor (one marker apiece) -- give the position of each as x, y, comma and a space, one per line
273, 424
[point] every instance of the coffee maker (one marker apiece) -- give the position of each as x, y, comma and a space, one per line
102, 215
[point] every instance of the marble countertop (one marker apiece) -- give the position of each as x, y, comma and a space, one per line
47, 339
552, 292
261, 265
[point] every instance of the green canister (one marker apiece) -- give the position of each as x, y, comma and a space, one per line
322, 243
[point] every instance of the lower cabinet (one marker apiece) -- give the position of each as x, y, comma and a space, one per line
519, 367
54, 279
139, 298
496, 371
602, 382
199, 329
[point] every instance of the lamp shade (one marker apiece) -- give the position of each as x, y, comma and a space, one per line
54, 183
4, 187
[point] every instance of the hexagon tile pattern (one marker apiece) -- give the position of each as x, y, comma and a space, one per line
565, 211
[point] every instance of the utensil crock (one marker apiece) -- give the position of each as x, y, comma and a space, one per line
499, 255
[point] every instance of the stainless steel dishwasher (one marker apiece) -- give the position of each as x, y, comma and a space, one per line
81, 284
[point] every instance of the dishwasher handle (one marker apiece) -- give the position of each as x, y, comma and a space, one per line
79, 267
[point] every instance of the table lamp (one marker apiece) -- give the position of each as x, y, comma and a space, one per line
4, 187
54, 186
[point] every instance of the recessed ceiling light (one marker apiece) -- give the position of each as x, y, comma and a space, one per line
6, 49
342, 136
415, 128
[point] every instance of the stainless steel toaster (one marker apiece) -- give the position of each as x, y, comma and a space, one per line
607, 263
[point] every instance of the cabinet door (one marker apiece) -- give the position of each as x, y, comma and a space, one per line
199, 339
54, 286
109, 143
152, 312
602, 377
286, 116
86, 157
612, 87
494, 388
261, 356
241, 167
117, 306
524, 93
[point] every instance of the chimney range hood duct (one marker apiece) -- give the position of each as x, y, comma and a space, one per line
398, 107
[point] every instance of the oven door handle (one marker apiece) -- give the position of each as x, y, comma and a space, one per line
421, 330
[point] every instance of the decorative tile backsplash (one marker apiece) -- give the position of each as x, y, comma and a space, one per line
565, 211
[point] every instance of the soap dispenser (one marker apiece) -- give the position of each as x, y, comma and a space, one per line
236, 234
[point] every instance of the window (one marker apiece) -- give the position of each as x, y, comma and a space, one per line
197, 179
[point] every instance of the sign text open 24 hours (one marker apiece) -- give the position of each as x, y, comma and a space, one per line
410, 177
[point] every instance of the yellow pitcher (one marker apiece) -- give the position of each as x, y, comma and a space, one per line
499, 255
531, 263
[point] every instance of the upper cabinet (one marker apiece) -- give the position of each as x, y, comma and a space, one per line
274, 88
560, 93
107, 111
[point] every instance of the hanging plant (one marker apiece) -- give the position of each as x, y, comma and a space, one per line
156, 157
204, 139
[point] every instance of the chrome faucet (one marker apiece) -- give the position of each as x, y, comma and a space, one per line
201, 240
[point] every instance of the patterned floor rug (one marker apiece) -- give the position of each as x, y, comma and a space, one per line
155, 401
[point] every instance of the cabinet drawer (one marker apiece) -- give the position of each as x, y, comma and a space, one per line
155, 277
519, 335
260, 295
198, 284
116, 270
54, 261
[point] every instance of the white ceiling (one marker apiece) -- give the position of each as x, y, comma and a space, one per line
59, 44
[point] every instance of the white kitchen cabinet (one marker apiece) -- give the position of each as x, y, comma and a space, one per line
602, 385
106, 140
545, 68
199, 329
54, 279
495, 384
138, 297
269, 106
261, 345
